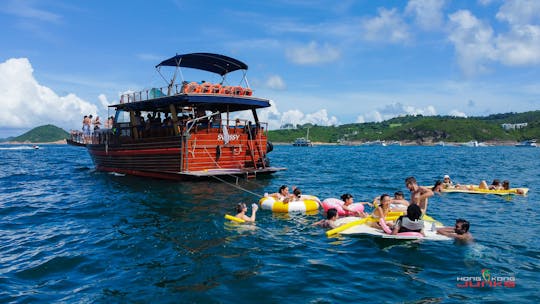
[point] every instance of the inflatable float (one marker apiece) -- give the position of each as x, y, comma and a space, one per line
473, 189
338, 205
348, 222
234, 218
306, 203
430, 232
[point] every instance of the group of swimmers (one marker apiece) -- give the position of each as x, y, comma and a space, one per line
447, 183
384, 204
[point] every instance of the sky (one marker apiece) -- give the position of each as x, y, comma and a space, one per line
321, 62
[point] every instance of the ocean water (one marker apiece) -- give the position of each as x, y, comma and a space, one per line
71, 234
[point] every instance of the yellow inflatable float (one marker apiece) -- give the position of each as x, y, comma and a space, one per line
306, 203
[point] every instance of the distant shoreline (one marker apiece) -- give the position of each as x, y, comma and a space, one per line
58, 142
409, 143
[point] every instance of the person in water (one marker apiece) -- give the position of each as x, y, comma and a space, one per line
297, 194
241, 210
438, 187
419, 195
330, 221
382, 211
283, 194
348, 200
459, 232
495, 185
411, 222
447, 182
506, 186
399, 203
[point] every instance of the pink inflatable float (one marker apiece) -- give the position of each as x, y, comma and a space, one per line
387, 230
338, 205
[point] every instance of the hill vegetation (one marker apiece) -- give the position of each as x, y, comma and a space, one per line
42, 134
420, 129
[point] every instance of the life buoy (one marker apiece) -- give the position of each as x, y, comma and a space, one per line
307, 203
269, 147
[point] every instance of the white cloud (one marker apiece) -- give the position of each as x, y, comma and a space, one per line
26, 103
473, 41
276, 119
394, 110
519, 11
388, 26
26, 9
275, 82
485, 2
103, 101
477, 45
457, 113
521, 45
313, 54
428, 13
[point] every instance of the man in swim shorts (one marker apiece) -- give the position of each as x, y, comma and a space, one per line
419, 195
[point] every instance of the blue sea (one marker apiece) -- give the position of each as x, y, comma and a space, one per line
71, 234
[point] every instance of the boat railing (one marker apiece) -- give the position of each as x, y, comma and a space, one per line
185, 88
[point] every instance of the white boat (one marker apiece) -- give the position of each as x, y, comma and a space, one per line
375, 143
472, 143
527, 143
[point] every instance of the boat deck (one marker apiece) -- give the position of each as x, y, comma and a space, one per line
221, 172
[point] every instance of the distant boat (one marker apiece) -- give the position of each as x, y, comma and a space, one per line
375, 143
472, 143
527, 143
303, 142
440, 144
394, 143
35, 147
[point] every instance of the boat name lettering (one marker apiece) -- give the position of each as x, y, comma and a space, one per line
231, 137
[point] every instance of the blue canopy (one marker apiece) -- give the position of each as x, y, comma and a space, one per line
214, 63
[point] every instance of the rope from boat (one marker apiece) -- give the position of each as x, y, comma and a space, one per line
211, 157
236, 186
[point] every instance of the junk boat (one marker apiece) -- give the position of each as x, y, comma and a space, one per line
185, 130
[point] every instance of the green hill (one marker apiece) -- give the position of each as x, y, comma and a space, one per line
42, 134
421, 129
